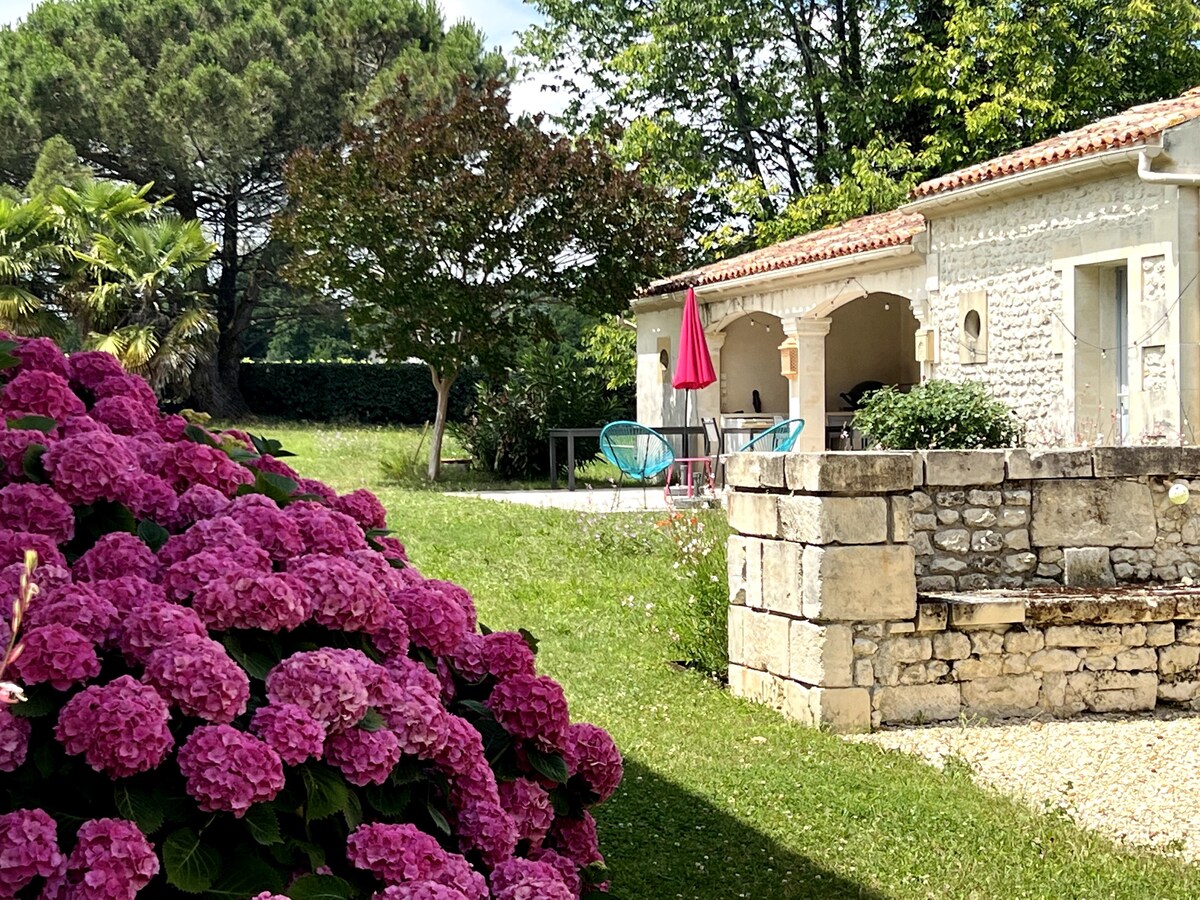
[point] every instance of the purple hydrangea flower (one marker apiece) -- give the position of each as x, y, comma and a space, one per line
120, 728
325, 531
322, 682
343, 595
201, 502
268, 526
575, 838
592, 754
506, 653
433, 623
13, 444
290, 731
89, 368
526, 879
41, 354
125, 415
199, 677
250, 599
189, 575
268, 463
14, 740
78, 607
529, 805
401, 853
128, 592
57, 654
90, 467
36, 392
229, 770
117, 555
187, 464
532, 708
364, 757
157, 623
28, 849
124, 385
112, 860
364, 508
38, 509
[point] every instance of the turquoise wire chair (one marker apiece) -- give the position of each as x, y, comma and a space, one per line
779, 438
637, 451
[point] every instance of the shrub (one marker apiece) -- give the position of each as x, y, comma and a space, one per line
237, 684
550, 387
370, 393
941, 415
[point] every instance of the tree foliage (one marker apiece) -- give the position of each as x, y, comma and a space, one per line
450, 231
206, 99
786, 115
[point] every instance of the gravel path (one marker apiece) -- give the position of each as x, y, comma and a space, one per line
1133, 778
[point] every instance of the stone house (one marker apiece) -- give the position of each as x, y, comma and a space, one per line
1064, 276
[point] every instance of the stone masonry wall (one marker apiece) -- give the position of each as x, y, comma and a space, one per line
1008, 248
1018, 518
825, 619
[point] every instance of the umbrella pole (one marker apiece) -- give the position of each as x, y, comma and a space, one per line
685, 423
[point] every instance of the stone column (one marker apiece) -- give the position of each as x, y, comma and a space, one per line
807, 564
806, 394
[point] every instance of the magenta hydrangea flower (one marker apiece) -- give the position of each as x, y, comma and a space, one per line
56, 654
112, 860
186, 464
117, 555
457, 595
78, 607
418, 890
532, 708
36, 392
14, 544
467, 658
187, 576
89, 368
267, 895
38, 509
575, 838
322, 682
89, 467
198, 676
41, 354
364, 508
323, 492
390, 633
14, 740
566, 868
46, 577
268, 463
391, 548
403, 853
156, 623
249, 599
506, 653
77, 425
325, 531
413, 675
171, 428
150, 497
592, 754
120, 728
28, 849
13, 444
220, 533
229, 770
201, 502
128, 592
267, 525
343, 595
432, 622
124, 385
527, 879
484, 826
529, 805
420, 723
125, 415
290, 731
364, 757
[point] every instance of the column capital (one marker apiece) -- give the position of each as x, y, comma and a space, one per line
715, 339
807, 327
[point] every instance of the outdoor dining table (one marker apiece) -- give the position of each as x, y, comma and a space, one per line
570, 434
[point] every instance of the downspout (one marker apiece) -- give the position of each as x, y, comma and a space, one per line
1181, 179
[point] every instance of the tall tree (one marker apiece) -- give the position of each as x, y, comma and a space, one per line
206, 99
449, 231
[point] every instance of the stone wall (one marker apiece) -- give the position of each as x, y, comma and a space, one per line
826, 622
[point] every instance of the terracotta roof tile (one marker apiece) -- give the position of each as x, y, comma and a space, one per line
1128, 129
890, 229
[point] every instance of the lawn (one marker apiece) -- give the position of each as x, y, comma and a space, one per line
722, 799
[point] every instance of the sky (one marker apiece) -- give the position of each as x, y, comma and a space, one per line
500, 20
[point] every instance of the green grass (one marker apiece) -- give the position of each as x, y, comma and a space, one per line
723, 799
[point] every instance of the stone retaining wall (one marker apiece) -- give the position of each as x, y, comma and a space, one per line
1010, 552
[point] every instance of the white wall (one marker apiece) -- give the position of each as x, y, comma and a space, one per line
750, 361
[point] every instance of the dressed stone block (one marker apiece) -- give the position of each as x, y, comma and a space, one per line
860, 583
834, 520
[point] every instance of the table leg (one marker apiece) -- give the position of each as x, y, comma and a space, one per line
570, 462
553, 466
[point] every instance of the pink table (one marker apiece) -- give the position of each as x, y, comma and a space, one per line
689, 467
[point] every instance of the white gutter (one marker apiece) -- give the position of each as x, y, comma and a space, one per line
788, 273
1023, 180
1145, 161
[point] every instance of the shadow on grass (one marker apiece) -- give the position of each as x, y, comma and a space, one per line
661, 841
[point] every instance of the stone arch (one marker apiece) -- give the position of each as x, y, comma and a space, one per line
750, 361
872, 337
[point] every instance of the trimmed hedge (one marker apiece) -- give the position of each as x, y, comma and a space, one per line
370, 393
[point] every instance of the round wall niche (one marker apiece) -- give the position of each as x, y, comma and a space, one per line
972, 325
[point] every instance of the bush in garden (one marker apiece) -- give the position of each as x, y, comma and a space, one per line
237, 685
937, 415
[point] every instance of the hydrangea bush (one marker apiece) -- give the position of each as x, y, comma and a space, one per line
238, 686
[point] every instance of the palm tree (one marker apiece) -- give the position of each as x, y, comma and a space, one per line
30, 250
137, 304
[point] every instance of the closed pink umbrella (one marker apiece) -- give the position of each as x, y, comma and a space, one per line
693, 367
